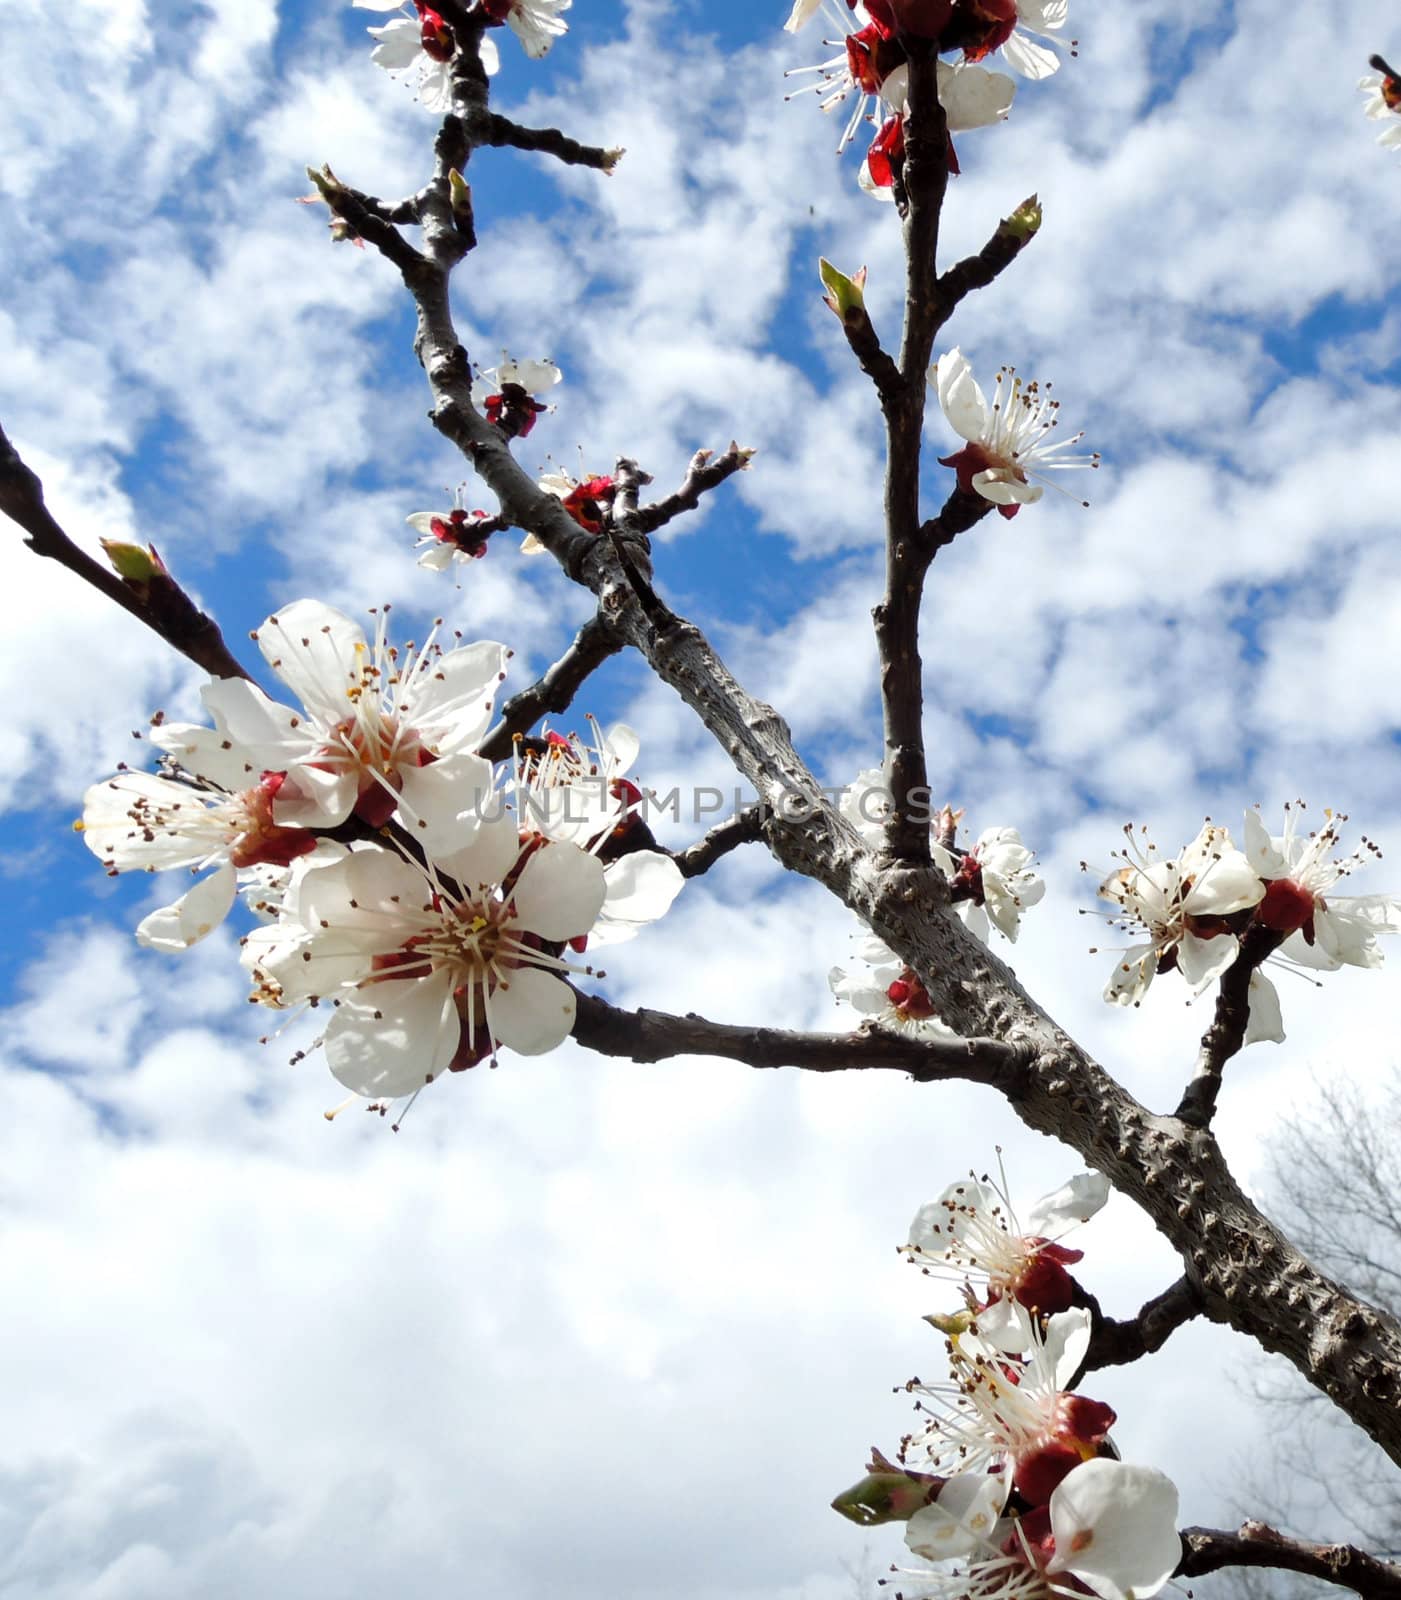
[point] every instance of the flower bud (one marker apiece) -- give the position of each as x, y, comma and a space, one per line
1025, 221
134, 563
887, 1494
459, 194
844, 295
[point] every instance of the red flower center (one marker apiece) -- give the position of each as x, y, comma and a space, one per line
1287, 907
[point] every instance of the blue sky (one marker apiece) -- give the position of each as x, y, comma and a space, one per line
261, 1354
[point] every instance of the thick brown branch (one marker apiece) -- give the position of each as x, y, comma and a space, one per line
657, 1036
1116, 1343
746, 827
498, 130
1256, 1545
160, 603
1226, 1035
706, 471
554, 690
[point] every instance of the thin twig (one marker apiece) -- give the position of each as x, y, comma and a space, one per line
1255, 1544
1226, 1035
498, 130
1115, 1343
745, 827
159, 602
707, 471
1013, 235
657, 1035
554, 691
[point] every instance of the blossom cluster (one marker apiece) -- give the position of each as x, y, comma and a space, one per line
435, 905
1190, 913
991, 882
1010, 1487
419, 44
1382, 86
871, 69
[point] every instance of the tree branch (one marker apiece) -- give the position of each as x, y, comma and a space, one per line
925, 178
706, 472
158, 601
746, 827
1248, 1273
1256, 1545
1116, 1343
498, 130
1226, 1035
554, 691
656, 1036
1013, 235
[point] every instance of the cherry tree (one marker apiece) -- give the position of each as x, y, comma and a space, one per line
432, 870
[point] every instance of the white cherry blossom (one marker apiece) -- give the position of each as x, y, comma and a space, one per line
536, 23
993, 882
1109, 1527
1012, 1414
1030, 50
382, 732
419, 46
1324, 930
1383, 91
893, 998
868, 69
214, 814
971, 1234
1178, 905
1008, 442
431, 966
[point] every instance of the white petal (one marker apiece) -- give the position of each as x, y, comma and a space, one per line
1026, 56
1115, 1528
1075, 1201
640, 888
272, 735
489, 55
437, 800
535, 377
962, 400
1261, 850
961, 1518
531, 1011
437, 557
118, 818
1132, 974
802, 13
1067, 1339
1266, 1021
389, 1039
208, 753
193, 915
1202, 961
489, 854
311, 797
450, 700
399, 44
559, 892
973, 97
1002, 486
422, 521
316, 651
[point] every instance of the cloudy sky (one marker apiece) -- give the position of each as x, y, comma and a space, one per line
582, 1326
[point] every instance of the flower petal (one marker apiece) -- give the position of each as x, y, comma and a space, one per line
389, 1039
531, 1012
962, 400
1075, 1201
1115, 1528
559, 893
196, 913
316, 651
